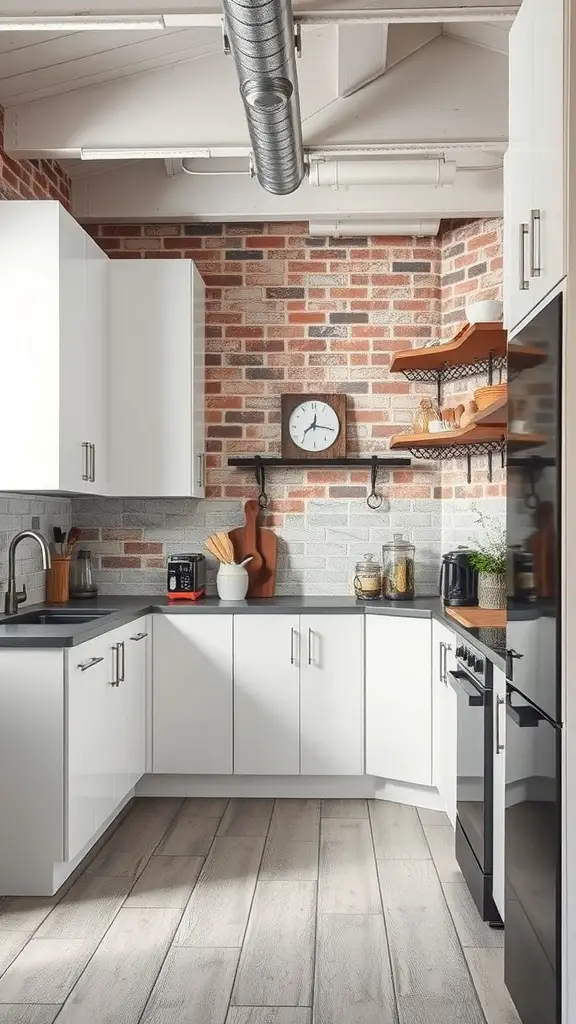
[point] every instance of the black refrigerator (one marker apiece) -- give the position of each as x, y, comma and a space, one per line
534, 706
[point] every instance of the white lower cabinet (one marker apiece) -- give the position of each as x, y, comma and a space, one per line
399, 699
298, 683
499, 807
192, 694
331, 694
444, 718
106, 728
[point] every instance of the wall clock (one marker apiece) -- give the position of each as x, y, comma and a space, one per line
314, 426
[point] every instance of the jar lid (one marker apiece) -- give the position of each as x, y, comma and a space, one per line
398, 542
368, 565
83, 553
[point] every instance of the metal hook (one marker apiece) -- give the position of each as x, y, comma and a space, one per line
374, 500
261, 482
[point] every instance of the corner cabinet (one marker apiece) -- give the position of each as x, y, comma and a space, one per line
53, 351
535, 166
72, 747
399, 699
156, 379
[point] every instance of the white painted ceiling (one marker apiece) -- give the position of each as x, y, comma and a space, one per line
439, 83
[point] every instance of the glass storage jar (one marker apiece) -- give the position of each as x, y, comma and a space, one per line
398, 573
81, 579
368, 579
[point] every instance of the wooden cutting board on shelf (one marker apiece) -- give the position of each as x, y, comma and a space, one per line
252, 539
479, 618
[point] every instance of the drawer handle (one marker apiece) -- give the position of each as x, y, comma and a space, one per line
292, 637
524, 233
499, 745
310, 645
138, 636
536, 243
84, 665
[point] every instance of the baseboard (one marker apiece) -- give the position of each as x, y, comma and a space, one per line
328, 786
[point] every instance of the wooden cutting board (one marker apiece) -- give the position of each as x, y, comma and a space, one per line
478, 618
252, 539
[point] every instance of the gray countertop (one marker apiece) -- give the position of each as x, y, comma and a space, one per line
124, 609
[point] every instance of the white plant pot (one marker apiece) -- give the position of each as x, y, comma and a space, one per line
232, 582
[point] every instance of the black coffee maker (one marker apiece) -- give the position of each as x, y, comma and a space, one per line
458, 580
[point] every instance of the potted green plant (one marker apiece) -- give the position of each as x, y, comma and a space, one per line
491, 564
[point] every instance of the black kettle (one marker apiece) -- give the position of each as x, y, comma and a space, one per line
458, 580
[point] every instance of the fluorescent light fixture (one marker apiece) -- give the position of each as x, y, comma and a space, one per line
162, 153
85, 23
375, 226
343, 173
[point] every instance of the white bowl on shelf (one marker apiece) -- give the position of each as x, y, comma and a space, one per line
485, 311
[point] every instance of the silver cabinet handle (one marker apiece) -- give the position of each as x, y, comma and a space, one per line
138, 636
115, 665
84, 665
310, 646
200, 476
292, 638
524, 233
123, 662
499, 702
441, 647
85, 460
535, 243
93, 463
447, 647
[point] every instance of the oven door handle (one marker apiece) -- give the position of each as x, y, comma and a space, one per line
526, 717
459, 681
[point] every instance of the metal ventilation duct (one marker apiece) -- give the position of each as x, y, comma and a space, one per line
262, 42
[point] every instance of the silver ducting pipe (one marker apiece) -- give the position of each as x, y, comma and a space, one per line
262, 43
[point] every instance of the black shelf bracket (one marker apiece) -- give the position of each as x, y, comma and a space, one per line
451, 372
260, 464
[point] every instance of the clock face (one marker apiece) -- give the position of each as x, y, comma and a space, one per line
313, 426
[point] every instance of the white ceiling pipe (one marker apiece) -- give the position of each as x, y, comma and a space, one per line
85, 23
342, 173
350, 228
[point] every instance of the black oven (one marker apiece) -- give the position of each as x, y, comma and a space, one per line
472, 681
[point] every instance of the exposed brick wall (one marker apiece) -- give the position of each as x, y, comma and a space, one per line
31, 179
288, 312
42, 179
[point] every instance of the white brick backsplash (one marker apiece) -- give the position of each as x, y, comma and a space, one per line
16, 513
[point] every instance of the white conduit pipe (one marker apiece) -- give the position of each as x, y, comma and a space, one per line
342, 173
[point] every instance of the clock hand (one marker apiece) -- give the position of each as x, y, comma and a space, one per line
323, 426
311, 427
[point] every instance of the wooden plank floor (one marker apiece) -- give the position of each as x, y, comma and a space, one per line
258, 912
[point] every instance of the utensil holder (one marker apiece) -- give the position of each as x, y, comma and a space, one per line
58, 580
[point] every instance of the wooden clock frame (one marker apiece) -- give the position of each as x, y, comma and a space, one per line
336, 450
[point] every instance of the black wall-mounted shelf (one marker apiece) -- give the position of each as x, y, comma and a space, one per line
260, 464
273, 462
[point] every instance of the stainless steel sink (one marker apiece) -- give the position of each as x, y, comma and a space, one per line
54, 617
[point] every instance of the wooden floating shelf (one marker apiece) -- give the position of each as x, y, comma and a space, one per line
518, 442
474, 343
495, 414
474, 434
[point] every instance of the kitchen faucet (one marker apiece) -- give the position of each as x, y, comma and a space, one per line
15, 597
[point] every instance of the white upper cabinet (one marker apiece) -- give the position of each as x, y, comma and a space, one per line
52, 348
535, 195
399, 699
156, 379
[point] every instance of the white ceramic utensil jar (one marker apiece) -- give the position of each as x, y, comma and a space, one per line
231, 582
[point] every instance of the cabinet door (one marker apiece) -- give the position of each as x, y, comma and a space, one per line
518, 177
198, 385
399, 699
94, 391
548, 158
155, 407
267, 695
91, 758
499, 711
444, 718
75, 395
131, 719
192, 694
332, 691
